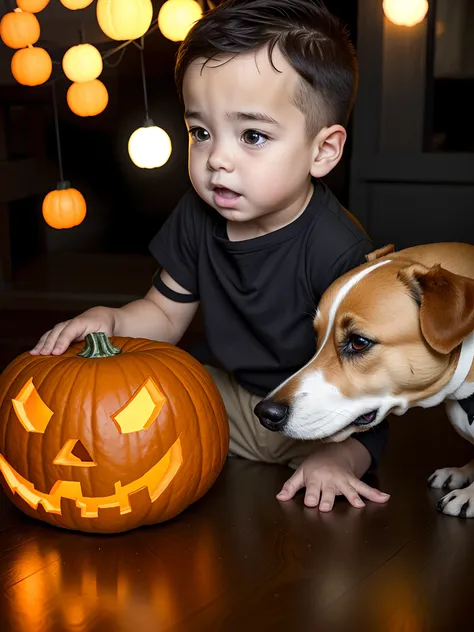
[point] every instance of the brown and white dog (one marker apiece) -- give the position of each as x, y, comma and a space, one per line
394, 333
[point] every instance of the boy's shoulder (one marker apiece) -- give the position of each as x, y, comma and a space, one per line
335, 243
335, 225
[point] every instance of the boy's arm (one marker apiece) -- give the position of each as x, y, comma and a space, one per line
155, 316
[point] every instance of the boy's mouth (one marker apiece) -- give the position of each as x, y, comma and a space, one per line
226, 193
225, 198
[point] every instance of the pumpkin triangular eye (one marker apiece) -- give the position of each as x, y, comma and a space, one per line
30, 409
74, 453
141, 410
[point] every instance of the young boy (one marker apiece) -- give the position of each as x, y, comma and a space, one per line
267, 86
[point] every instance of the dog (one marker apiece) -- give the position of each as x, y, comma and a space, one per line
394, 333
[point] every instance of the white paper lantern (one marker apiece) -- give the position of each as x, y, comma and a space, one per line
149, 147
405, 12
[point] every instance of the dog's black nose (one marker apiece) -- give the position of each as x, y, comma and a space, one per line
272, 415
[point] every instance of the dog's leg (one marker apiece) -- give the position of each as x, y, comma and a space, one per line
452, 477
459, 502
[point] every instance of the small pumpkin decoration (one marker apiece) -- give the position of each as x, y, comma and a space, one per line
123, 433
87, 98
74, 5
31, 66
124, 19
19, 29
65, 207
176, 17
82, 63
33, 6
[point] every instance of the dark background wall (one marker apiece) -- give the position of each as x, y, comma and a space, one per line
126, 205
407, 173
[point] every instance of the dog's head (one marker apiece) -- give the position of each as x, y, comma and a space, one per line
389, 335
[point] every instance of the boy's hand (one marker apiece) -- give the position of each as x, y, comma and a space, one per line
330, 472
58, 339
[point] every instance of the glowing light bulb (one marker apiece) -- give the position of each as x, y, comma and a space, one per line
405, 12
149, 146
176, 17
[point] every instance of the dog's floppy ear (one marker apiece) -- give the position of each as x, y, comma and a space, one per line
446, 304
380, 252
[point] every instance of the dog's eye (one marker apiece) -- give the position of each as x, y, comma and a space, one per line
356, 343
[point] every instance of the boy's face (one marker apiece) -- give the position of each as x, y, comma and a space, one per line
249, 153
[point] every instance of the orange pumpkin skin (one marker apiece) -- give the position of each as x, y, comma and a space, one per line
64, 208
87, 98
31, 66
19, 29
84, 396
33, 6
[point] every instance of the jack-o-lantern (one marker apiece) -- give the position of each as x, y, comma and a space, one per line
124, 433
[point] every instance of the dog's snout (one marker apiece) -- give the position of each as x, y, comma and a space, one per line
272, 415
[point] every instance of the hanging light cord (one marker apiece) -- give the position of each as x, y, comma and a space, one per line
142, 61
56, 124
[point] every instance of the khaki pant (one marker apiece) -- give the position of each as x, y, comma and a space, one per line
248, 438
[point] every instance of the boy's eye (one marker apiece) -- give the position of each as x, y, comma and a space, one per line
199, 134
252, 137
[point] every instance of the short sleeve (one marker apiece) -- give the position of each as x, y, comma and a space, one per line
176, 245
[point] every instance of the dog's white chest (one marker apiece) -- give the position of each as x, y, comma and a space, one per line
461, 420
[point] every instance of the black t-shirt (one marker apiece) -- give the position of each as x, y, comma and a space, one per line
259, 296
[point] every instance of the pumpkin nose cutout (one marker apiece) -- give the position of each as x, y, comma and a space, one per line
74, 453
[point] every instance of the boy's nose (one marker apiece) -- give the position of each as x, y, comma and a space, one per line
272, 415
220, 159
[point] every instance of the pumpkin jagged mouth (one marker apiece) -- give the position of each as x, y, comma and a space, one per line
156, 480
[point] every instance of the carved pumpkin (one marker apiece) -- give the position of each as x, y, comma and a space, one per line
114, 437
31, 66
82, 63
19, 29
124, 19
87, 98
33, 6
65, 207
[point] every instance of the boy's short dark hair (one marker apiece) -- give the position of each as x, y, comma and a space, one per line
311, 39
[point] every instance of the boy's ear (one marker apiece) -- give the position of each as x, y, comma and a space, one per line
328, 147
446, 304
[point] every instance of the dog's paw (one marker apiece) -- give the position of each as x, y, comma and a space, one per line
459, 502
449, 478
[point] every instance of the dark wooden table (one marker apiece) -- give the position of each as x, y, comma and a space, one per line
238, 560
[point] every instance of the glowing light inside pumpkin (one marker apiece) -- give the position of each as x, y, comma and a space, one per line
31, 410
142, 410
66, 455
405, 12
149, 147
156, 480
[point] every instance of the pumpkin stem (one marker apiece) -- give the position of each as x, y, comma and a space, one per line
98, 346
63, 185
